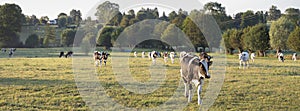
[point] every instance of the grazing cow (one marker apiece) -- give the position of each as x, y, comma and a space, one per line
244, 59
252, 56
172, 56
143, 54
165, 55
294, 57
194, 69
135, 54
154, 55
280, 57
61, 54
69, 54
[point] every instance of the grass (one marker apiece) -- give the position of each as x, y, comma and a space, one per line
50, 84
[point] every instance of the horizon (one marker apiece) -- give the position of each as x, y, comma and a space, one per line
52, 9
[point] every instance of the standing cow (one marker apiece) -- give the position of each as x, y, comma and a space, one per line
294, 57
252, 56
135, 54
280, 57
172, 57
244, 59
154, 55
143, 54
165, 55
194, 69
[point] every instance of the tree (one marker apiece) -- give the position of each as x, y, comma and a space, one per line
172, 35
62, 21
50, 37
274, 13
194, 33
172, 16
235, 39
226, 41
76, 16
32, 41
257, 38
293, 15
279, 32
249, 19
11, 19
104, 37
106, 11
294, 40
86, 45
67, 37
116, 20
44, 19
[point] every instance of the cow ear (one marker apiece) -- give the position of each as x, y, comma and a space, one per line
210, 63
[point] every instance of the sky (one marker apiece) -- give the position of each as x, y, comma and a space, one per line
52, 8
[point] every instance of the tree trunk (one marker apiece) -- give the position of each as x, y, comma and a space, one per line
261, 53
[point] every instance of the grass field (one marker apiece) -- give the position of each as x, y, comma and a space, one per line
48, 83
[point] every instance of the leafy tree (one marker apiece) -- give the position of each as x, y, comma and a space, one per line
257, 38
293, 14
160, 28
279, 32
226, 41
86, 45
32, 41
294, 39
172, 35
50, 37
273, 13
194, 33
67, 37
104, 37
125, 21
164, 17
34, 20
172, 16
11, 19
44, 19
76, 16
235, 39
116, 20
62, 21
249, 19
106, 11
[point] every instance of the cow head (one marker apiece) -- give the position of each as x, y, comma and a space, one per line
207, 58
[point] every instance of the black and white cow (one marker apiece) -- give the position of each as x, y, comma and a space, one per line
154, 55
194, 69
280, 57
97, 57
69, 54
252, 56
105, 57
294, 57
244, 59
61, 54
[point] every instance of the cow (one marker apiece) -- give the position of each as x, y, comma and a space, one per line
143, 54
61, 54
294, 57
97, 57
244, 59
135, 54
165, 55
154, 55
194, 69
280, 57
105, 57
252, 56
69, 54
3, 50
172, 57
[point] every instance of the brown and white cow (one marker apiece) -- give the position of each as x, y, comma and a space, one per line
194, 69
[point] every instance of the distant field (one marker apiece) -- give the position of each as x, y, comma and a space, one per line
48, 83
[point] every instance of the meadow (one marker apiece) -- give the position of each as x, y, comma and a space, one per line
46, 82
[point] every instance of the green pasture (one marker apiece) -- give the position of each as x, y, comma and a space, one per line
42, 81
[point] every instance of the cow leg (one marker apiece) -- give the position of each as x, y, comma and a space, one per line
190, 92
199, 91
240, 64
186, 88
96, 63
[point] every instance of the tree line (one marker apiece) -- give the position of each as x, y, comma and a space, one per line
253, 31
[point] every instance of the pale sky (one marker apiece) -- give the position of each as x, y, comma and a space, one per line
52, 8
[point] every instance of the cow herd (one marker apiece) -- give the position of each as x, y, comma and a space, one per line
11, 51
